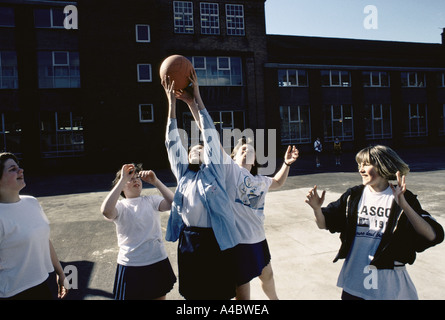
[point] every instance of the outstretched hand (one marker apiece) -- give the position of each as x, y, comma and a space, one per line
168, 87
291, 155
148, 176
189, 94
313, 199
399, 190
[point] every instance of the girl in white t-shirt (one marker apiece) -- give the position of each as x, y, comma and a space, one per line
143, 269
27, 255
248, 191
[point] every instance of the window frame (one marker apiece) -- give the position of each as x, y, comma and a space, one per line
141, 120
373, 118
301, 138
207, 30
148, 33
288, 83
338, 76
181, 16
231, 20
408, 132
139, 65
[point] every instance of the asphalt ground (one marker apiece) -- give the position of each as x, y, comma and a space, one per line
301, 253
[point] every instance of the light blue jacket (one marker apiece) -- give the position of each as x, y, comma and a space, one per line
210, 181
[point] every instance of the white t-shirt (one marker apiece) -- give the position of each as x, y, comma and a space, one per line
357, 277
25, 259
193, 212
249, 194
139, 234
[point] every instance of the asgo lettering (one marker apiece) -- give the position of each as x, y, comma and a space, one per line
375, 211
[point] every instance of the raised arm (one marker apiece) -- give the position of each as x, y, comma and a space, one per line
108, 207
177, 155
419, 224
280, 177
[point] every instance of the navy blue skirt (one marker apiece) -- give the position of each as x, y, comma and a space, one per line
205, 272
251, 260
144, 282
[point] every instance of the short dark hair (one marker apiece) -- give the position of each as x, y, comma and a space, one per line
138, 168
4, 156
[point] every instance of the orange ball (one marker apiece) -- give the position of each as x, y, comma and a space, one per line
179, 69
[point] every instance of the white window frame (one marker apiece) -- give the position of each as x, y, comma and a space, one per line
417, 83
338, 75
139, 76
203, 72
381, 135
218, 59
300, 138
197, 67
371, 84
140, 113
59, 151
231, 24
410, 133
288, 83
341, 120
148, 32
181, 16
209, 29
51, 17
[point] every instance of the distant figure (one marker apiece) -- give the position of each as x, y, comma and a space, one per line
318, 147
337, 151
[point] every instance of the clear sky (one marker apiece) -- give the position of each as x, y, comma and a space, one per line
397, 20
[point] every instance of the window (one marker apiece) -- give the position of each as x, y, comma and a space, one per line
49, 18
183, 16
209, 18
7, 17
292, 78
295, 124
375, 79
378, 121
235, 19
441, 79
416, 120
58, 69
8, 70
142, 33
10, 132
218, 71
61, 134
144, 72
338, 122
146, 113
335, 78
413, 79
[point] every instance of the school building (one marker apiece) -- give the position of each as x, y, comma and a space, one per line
80, 88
